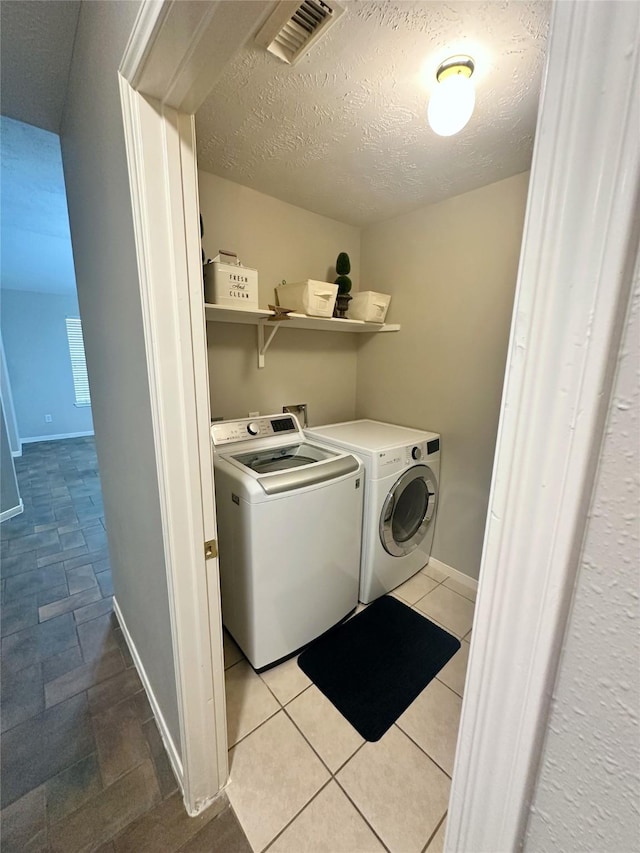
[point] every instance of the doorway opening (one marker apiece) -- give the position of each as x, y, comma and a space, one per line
322, 172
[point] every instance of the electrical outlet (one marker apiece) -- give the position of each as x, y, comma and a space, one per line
253, 415
47, 419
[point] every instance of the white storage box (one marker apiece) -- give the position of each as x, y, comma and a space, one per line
369, 306
315, 298
230, 284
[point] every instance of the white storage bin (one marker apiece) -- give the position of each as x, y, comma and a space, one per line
230, 284
369, 306
315, 298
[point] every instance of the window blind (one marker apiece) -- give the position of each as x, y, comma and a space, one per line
78, 363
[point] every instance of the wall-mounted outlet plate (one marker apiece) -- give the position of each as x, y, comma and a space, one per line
47, 419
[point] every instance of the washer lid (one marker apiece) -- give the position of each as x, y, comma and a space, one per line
270, 459
309, 475
288, 467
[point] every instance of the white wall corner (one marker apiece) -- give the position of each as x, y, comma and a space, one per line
12, 512
6, 395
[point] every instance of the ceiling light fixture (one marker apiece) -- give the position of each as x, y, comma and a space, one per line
453, 99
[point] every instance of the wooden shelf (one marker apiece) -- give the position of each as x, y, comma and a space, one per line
267, 328
227, 314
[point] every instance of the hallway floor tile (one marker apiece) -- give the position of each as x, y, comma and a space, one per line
83, 766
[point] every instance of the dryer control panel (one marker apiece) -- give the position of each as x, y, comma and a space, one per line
401, 457
420, 452
415, 453
227, 432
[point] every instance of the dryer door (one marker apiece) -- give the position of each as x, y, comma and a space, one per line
408, 511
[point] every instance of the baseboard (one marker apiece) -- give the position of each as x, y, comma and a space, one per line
454, 573
172, 752
10, 513
62, 435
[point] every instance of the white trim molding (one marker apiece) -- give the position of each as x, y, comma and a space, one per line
580, 240
161, 154
155, 169
59, 437
178, 50
149, 21
172, 752
174, 54
12, 512
185, 126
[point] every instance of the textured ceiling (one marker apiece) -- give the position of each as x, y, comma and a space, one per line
344, 131
35, 240
36, 45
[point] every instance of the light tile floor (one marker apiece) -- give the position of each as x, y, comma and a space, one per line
304, 781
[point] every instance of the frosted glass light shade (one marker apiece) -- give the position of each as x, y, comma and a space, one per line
451, 105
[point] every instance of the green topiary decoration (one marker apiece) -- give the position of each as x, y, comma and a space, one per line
343, 267
343, 264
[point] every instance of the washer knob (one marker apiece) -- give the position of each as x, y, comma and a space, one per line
253, 428
416, 453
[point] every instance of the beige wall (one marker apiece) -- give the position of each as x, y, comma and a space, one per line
282, 242
451, 269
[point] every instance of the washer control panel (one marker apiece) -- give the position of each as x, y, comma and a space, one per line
226, 432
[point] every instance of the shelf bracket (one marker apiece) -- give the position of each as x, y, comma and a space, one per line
263, 345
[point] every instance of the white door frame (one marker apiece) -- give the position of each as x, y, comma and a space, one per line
174, 55
176, 353
566, 323
579, 245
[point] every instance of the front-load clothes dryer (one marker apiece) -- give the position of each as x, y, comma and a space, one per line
289, 516
402, 470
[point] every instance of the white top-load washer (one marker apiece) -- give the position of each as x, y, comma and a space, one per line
289, 529
402, 469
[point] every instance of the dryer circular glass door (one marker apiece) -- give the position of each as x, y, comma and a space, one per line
408, 510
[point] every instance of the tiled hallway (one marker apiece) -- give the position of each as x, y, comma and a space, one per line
82, 763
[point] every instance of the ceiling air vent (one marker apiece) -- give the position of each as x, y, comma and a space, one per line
293, 27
